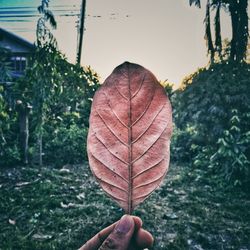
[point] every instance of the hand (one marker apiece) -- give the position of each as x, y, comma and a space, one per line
125, 234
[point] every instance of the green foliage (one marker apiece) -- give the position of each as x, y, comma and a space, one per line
4, 66
212, 116
65, 141
168, 86
43, 33
233, 153
9, 144
207, 98
182, 144
3, 111
10, 154
61, 95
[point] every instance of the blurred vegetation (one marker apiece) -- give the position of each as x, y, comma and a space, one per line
212, 118
51, 208
45, 112
56, 98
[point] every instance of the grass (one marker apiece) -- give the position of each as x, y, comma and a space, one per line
48, 208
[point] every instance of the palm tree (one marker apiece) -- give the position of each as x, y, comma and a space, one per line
211, 49
240, 34
43, 33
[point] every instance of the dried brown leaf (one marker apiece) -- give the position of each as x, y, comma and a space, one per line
129, 135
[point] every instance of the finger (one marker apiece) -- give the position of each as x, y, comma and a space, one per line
144, 239
95, 242
120, 237
138, 222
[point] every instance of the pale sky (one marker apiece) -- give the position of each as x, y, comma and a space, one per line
165, 36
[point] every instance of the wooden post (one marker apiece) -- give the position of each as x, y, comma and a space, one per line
80, 33
23, 111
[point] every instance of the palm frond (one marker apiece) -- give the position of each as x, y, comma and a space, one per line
49, 16
195, 2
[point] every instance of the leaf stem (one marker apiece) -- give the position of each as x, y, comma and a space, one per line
130, 146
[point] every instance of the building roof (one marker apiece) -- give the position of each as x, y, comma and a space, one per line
6, 34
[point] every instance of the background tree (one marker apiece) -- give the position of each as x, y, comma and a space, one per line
239, 23
212, 107
239, 19
43, 32
9, 143
46, 48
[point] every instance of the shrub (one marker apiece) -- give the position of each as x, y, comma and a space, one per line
66, 145
61, 95
212, 116
9, 152
233, 150
207, 98
183, 148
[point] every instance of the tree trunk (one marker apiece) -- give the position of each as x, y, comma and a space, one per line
23, 111
242, 31
234, 20
239, 19
208, 35
218, 44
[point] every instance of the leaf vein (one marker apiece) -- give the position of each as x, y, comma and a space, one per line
139, 136
148, 183
120, 92
143, 78
110, 150
118, 118
109, 168
146, 109
120, 140
136, 159
111, 184
114, 197
147, 169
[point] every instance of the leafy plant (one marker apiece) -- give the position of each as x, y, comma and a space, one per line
207, 97
43, 33
4, 66
183, 147
61, 95
66, 145
206, 104
9, 153
233, 153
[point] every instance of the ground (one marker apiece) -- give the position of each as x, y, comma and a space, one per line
48, 208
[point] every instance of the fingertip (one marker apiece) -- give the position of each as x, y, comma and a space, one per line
138, 222
121, 236
125, 224
144, 239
